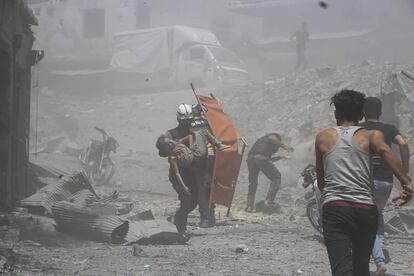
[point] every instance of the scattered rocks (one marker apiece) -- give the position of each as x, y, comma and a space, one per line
242, 248
137, 251
9, 236
263, 207
144, 215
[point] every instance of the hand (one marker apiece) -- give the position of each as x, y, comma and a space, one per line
187, 192
277, 158
405, 195
223, 147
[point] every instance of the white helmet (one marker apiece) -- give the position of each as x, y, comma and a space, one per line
185, 111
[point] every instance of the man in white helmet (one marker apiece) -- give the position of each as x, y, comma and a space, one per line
191, 176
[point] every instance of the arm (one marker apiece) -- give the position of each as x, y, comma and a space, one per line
277, 158
320, 174
378, 145
212, 139
168, 135
216, 142
404, 152
277, 142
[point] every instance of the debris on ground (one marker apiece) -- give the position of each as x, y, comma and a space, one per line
262, 206
42, 201
137, 251
242, 248
143, 215
158, 231
83, 222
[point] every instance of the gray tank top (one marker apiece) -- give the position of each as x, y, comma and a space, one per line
347, 171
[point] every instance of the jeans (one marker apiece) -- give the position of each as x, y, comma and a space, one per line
382, 191
349, 235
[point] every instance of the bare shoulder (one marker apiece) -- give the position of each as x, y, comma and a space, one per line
325, 140
328, 133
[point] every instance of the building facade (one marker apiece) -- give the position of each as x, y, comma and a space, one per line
16, 57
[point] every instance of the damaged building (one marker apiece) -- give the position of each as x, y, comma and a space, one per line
17, 59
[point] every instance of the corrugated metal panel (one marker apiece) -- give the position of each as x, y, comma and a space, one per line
44, 199
83, 198
158, 231
82, 222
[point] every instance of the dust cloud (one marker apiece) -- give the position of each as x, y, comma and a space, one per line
125, 65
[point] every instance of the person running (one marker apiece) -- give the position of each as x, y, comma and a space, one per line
259, 160
381, 174
301, 37
349, 216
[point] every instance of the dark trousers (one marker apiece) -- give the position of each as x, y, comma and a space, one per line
195, 179
256, 166
349, 235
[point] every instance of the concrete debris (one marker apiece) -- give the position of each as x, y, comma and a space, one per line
3, 261
31, 243
144, 215
9, 236
242, 248
137, 251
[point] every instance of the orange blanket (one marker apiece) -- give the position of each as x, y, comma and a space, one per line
227, 163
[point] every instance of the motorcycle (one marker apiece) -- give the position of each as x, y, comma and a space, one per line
393, 219
96, 161
313, 206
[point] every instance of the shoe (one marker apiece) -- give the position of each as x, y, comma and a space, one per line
205, 223
249, 209
381, 269
183, 237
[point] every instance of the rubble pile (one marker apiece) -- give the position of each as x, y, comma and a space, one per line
297, 106
78, 210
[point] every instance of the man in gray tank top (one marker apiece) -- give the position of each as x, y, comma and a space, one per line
343, 170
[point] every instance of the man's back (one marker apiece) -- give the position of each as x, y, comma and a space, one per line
380, 170
347, 166
265, 146
327, 139
389, 131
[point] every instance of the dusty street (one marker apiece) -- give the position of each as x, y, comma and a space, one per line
289, 97
278, 244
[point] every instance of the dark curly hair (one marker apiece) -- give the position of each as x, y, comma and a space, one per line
349, 105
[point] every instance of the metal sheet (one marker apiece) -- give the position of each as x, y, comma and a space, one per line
43, 200
84, 223
158, 231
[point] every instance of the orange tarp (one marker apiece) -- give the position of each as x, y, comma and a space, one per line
227, 163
